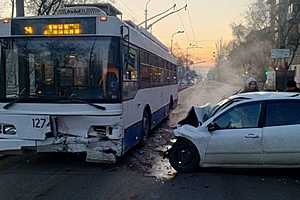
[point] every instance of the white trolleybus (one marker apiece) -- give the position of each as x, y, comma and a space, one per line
82, 81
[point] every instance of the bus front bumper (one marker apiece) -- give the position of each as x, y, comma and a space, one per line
97, 150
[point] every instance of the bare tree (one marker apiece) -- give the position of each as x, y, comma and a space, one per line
258, 15
239, 32
221, 51
249, 51
48, 7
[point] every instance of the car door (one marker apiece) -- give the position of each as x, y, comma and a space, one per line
281, 134
238, 138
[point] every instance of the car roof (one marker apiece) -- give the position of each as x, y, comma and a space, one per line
266, 96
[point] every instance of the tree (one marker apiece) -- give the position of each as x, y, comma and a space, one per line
239, 32
4, 5
49, 7
221, 51
258, 16
249, 50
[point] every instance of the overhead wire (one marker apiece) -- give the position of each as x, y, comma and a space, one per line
129, 12
191, 24
182, 25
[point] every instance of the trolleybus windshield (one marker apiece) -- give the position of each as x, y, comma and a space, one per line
84, 68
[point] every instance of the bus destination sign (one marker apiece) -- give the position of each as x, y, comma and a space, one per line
54, 27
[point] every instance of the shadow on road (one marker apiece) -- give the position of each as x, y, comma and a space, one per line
255, 172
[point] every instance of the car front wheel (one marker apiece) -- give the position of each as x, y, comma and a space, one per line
184, 156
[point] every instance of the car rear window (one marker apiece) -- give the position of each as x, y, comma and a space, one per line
283, 113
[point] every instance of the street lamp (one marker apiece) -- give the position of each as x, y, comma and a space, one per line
172, 39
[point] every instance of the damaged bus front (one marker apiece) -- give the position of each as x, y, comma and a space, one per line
60, 93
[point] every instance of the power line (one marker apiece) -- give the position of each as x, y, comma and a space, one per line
191, 24
129, 12
182, 25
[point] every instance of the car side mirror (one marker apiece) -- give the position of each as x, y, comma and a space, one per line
212, 127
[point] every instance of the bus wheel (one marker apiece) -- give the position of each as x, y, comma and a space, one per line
146, 125
171, 104
170, 108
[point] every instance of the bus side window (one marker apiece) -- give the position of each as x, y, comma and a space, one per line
130, 64
130, 72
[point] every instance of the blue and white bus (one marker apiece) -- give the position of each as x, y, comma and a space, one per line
82, 80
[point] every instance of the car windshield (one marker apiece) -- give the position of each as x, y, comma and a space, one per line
218, 107
62, 67
223, 105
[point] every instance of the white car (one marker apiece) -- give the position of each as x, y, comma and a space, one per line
260, 129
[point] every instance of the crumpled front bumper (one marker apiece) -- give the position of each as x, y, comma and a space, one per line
97, 149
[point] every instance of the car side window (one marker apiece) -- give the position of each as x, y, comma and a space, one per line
241, 116
283, 113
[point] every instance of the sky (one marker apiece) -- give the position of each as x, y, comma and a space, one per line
204, 22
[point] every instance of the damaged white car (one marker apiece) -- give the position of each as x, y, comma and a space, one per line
247, 130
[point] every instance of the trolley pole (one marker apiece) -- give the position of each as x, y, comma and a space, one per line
146, 14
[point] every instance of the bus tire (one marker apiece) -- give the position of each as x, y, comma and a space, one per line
146, 125
171, 104
170, 107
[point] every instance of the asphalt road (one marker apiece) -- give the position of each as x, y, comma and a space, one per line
63, 176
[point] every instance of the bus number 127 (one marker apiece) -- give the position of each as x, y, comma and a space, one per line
39, 123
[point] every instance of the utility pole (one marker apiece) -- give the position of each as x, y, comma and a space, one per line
20, 8
12, 8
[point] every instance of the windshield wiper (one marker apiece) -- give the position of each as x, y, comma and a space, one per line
10, 104
85, 102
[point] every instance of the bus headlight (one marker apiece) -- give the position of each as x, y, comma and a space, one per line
99, 131
9, 129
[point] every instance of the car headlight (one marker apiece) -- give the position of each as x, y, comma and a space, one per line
9, 129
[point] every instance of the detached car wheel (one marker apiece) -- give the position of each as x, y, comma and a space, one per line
184, 156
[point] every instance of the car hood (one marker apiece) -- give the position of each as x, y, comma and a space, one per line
196, 116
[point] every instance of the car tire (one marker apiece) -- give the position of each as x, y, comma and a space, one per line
184, 156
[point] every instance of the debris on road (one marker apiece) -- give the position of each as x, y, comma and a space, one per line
149, 160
